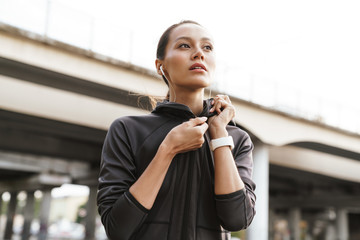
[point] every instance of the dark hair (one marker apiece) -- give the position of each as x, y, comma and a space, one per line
164, 39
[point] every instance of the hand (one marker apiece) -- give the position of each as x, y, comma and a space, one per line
187, 136
225, 113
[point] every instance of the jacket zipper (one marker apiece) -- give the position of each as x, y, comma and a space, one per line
188, 198
187, 202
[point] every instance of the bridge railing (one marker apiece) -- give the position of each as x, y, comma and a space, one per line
56, 21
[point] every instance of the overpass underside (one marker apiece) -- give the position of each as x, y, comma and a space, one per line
40, 154
53, 123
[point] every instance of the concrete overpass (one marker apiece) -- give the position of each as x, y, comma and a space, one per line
57, 101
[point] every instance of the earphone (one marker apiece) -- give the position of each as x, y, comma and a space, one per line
163, 75
161, 69
165, 79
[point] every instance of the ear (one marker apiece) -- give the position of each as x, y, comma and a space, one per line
158, 63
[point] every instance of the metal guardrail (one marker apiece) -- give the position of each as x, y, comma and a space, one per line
80, 29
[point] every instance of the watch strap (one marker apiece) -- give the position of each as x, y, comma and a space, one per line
220, 142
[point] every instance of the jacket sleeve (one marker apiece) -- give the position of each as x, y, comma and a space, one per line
236, 210
120, 213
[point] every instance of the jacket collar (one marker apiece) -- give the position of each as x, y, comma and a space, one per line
181, 110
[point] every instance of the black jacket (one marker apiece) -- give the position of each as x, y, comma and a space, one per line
186, 207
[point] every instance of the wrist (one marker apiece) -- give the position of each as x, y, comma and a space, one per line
218, 132
167, 150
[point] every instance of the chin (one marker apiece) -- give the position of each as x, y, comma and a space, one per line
202, 82
195, 82
200, 85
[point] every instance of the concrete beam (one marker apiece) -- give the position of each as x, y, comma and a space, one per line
20, 46
42, 164
316, 162
315, 201
39, 181
60, 105
76, 62
45, 77
275, 128
89, 180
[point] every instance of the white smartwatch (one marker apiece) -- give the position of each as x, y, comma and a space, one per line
220, 142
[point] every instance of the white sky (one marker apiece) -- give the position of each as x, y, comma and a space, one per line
308, 44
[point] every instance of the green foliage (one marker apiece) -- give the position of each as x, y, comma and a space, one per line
81, 213
4, 207
37, 205
239, 234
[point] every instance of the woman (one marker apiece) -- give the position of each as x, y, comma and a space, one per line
181, 172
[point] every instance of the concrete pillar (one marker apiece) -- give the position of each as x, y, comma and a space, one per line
28, 215
272, 218
342, 224
91, 211
258, 229
294, 223
330, 233
1, 201
44, 214
10, 216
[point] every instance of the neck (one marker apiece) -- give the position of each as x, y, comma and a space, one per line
193, 99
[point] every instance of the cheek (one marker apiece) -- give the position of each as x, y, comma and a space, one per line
212, 63
175, 64
176, 60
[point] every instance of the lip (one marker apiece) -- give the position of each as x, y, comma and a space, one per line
193, 67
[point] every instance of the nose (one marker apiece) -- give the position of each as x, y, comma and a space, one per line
198, 54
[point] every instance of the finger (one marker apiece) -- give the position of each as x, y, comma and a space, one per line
214, 103
221, 104
219, 98
227, 99
216, 106
197, 121
203, 127
224, 97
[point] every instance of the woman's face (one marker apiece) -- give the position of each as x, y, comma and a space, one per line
189, 61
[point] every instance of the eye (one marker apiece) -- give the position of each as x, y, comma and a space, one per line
208, 47
184, 45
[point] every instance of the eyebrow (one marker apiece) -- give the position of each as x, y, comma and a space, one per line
188, 38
